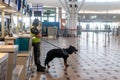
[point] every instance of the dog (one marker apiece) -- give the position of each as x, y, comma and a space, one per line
60, 53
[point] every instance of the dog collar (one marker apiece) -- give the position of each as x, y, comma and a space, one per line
64, 52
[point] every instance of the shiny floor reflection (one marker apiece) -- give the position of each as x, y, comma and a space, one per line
98, 58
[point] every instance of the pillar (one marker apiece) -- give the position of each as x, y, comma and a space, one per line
60, 17
2, 28
18, 25
72, 23
59, 13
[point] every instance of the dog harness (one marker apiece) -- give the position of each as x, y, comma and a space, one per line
64, 52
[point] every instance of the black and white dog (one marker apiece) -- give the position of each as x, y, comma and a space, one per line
59, 53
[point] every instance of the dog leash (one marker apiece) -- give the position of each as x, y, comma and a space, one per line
64, 51
50, 43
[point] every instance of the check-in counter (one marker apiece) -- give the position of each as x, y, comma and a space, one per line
11, 40
25, 42
22, 59
25, 51
3, 65
12, 50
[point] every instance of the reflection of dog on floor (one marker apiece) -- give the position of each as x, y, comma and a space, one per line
59, 53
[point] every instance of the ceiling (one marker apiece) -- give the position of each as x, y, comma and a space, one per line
89, 5
91, 9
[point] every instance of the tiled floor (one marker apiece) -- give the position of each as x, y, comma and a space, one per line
98, 58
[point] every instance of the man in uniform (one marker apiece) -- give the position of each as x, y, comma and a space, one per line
36, 39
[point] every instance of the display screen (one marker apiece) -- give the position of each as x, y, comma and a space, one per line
30, 12
6, 1
13, 4
24, 11
19, 5
37, 13
28, 8
24, 3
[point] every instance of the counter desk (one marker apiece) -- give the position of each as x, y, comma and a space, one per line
3, 65
12, 50
23, 41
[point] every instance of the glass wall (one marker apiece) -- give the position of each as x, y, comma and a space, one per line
99, 25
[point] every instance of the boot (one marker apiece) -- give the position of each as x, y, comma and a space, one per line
40, 69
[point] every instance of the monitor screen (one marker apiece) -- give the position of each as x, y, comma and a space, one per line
19, 5
24, 11
15, 1
6, 1
13, 4
28, 8
24, 3
30, 12
37, 13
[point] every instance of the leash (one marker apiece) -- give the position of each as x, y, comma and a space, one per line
50, 43
64, 51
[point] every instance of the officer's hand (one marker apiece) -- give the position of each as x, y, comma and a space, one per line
39, 35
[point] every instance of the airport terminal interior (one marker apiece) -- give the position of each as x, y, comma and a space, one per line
86, 32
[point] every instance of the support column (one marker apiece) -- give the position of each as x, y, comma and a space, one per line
60, 17
72, 8
10, 25
59, 13
72, 23
2, 28
18, 25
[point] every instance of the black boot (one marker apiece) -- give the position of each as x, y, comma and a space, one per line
40, 69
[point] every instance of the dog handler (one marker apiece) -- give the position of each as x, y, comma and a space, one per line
36, 39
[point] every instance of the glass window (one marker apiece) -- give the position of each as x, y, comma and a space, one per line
51, 19
44, 19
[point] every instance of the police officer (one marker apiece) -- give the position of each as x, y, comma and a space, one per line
36, 39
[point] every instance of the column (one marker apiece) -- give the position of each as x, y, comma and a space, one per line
2, 28
59, 13
72, 24
18, 25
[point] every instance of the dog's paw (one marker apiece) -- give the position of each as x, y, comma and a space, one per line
48, 67
66, 65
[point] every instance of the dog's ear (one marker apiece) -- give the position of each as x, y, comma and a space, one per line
70, 46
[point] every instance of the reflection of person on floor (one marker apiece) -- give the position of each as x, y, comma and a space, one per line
118, 31
96, 29
113, 31
79, 30
87, 27
36, 39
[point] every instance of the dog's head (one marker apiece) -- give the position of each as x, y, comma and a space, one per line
72, 49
